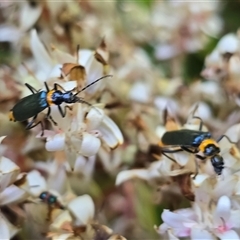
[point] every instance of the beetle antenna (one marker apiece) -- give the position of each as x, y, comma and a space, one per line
92, 84
81, 100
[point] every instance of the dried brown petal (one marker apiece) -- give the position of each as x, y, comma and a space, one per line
184, 182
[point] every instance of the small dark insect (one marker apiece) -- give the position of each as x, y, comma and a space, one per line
35, 103
194, 142
50, 200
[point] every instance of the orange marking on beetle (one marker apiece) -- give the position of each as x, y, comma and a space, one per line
205, 143
49, 97
10, 116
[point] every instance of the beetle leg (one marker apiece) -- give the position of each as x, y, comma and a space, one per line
168, 157
200, 157
171, 151
81, 100
179, 150
189, 150
31, 88
55, 123
220, 138
30, 125
63, 112
46, 86
196, 165
50, 117
57, 87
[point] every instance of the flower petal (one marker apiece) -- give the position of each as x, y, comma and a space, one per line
94, 118
1, 138
162, 228
37, 183
88, 146
111, 134
200, 234
56, 71
59, 221
226, 187
228, 235
82, 208
7, 230
55, 143
233, 133
8, 172
170, 104
94, 70
172, 219
41, 56
181, 158
176, 222
199, 179
234, 220
140, 92
12, 194
85, 165
84, 56
9, 33
203, 111
166, 51
171, 235
59, 173
29, 15
228, 43
62, 57
222, 211
123, 176
64, 236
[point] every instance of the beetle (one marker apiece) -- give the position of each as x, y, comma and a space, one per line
194, 141
50, 200
30, 106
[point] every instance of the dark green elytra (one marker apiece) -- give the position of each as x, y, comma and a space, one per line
30, 106
185, 137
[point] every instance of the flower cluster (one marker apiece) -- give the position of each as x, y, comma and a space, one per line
191, 25
215, 205
132, 66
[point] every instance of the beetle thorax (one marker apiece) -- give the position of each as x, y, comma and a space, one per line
69, 97
57, 97
209, 147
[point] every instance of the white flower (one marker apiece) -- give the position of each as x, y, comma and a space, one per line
140, 92
176, 33
10, 193
84, 135
77, 221
50, 65
202, 221
228, 44
9, 173
146, 174
7, 230
29, 15
180, 222
225, 220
